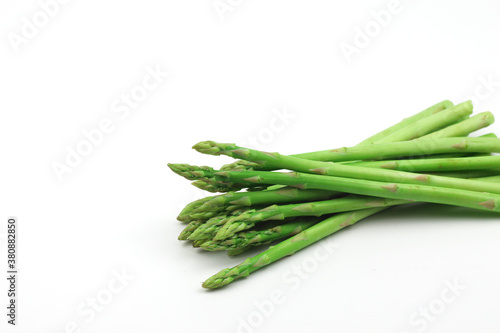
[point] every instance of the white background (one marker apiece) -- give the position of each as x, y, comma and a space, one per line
229, 75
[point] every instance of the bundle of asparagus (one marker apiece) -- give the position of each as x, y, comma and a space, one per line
428, 157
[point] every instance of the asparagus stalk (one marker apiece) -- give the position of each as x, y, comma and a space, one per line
249, 218
436, 156
463, 128
424, 193
245, 165
231, 201
395, 150
259, 237
201, 232
224, 228
186, 171
210, 228
211, 187
239, 240
197, 243
452, 155
207, 230
278, 161
278, 196
217, 183
288, 247
438, 164
188, 230
468, 174
407, 148
408, 121
191, 207
490, 179
211, 212
384, 151
430, 124
214, 188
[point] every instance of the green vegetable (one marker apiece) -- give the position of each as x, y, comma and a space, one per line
220, 203
429, 124
259, 237
294, 244
278, 161
426, 158
424, 193
438, 164
248, 219
288, 247
406, 122
464, 127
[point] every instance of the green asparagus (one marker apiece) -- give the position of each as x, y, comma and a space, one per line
288, 247
278, 161
424, 193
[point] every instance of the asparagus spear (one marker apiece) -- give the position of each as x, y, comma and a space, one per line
430, 124
191, 207
214, 188
446, 155
282, 195
217, 185
197, 243
407, 148
185, 170
490, 179
394, 150
288, 247
400, 149
278, 161
210, 187
201, 231
228, 202
259, 237
211, 212
469, 174
242, 240
408, 121
463, 128
249, 218
188, 230
245, 165
438, 164
424, 193
208, 229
